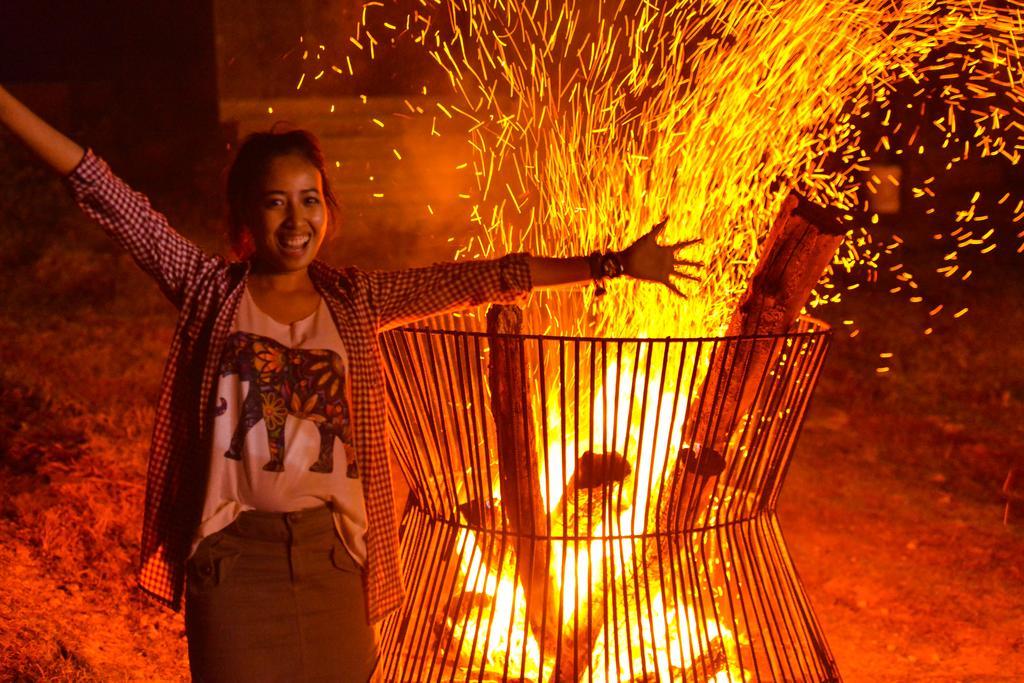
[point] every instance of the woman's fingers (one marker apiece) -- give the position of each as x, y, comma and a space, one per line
678, 272
672, 286
683, 263
686, 243
658, 228
658, 262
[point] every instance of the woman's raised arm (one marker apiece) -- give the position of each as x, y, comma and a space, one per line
171, 259
56, 149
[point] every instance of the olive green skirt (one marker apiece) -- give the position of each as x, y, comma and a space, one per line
277, 597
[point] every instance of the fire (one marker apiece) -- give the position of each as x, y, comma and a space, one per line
488, 630
604, 557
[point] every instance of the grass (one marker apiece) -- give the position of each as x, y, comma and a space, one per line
82, 340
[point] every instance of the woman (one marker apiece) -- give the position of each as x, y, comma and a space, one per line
269, 501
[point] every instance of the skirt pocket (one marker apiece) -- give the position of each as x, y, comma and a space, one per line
210, 565
343, 560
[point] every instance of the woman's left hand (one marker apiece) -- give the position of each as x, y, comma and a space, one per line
645, 259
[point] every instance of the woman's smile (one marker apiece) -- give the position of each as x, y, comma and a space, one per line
293, 244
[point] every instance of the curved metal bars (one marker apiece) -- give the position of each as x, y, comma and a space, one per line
599, 509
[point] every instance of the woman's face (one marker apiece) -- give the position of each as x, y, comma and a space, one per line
290, 217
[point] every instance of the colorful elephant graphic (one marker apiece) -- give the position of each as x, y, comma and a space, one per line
308, 384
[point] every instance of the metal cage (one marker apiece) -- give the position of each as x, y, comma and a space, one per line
599, 509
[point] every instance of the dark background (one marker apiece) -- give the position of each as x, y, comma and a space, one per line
137, 79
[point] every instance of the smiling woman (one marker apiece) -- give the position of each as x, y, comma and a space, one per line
280, 208
268, 502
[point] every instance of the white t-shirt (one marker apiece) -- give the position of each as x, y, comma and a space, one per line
282, 425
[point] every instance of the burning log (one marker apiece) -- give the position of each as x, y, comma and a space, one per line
589, 498
590, 492
523, 506
519, 470
802, 241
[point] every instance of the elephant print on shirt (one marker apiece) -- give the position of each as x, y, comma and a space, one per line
308, 384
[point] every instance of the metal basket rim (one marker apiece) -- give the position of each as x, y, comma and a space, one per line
822, 330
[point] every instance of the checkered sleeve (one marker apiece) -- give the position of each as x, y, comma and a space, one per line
127, 216
400, 297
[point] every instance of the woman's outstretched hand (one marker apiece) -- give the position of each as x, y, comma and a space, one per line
645, 259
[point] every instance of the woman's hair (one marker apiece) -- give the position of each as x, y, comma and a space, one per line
245, 176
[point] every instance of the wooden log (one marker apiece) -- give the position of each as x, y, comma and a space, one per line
595, 484
519, 472
802, 241
799, 248
590, 496
523, 508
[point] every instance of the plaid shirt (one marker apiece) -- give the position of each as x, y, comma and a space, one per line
206, 291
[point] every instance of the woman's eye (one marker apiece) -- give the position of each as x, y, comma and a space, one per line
312, 201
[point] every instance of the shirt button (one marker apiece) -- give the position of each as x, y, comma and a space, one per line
206, 570
294, 516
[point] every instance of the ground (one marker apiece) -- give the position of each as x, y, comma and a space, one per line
892, 507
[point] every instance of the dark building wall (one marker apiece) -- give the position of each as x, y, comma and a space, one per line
260, 47
398, 184
135, 79
259, 52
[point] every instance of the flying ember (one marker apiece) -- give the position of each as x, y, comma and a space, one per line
591, 120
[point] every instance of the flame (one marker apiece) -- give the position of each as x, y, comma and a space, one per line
502, 647
607, 557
